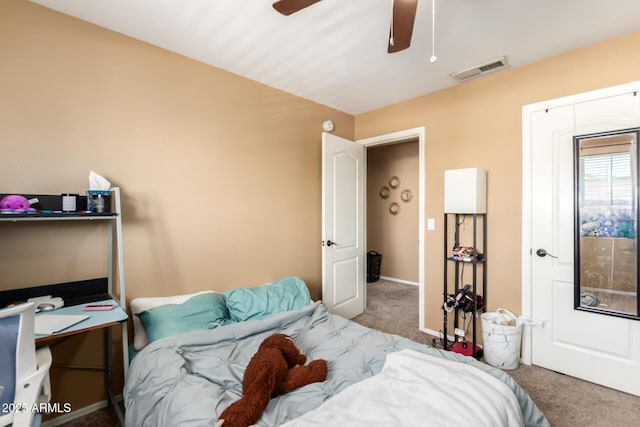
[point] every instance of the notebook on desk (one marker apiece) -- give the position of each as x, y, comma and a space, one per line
49, 324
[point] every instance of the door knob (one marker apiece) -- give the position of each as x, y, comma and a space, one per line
331, 243
543, 253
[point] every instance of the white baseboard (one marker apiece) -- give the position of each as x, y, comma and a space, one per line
406, 282
77, 413
436, 334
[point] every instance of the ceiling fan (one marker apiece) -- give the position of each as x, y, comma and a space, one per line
400, 31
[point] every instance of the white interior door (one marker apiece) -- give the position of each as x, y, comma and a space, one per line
343, 252
595, 347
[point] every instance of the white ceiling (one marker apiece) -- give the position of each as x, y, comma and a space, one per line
335, 52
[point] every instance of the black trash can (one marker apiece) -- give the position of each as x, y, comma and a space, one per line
374, 259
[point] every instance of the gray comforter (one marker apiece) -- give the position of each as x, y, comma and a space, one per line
188, 379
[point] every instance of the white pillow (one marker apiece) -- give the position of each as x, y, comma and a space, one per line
138, 305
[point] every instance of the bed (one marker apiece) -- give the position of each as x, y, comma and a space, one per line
189, 377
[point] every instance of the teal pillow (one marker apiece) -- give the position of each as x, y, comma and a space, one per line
202, 311
285, 294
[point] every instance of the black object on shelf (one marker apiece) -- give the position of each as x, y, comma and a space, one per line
73, 293
51, 205
466, 299
51, 202
374, 260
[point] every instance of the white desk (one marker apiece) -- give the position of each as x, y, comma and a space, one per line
97, 320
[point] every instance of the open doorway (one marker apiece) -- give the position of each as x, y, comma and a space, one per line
392, 211
392, 289
395, 221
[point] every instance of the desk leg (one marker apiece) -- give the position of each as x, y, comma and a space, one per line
111, 398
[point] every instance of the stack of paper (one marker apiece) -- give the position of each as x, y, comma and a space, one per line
47, 324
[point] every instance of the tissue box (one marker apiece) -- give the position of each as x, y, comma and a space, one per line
92, 195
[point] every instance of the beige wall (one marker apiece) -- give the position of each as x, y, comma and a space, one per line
394, 236
479, 124
220, 175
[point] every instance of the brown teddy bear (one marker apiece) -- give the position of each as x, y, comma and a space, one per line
275, 369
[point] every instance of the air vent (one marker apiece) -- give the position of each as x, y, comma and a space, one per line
482, 69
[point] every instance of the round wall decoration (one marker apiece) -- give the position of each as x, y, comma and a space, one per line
385, 192
394, 182
406, 195
394, 208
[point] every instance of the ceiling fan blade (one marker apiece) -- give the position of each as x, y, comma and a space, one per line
404, 14
287, 7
